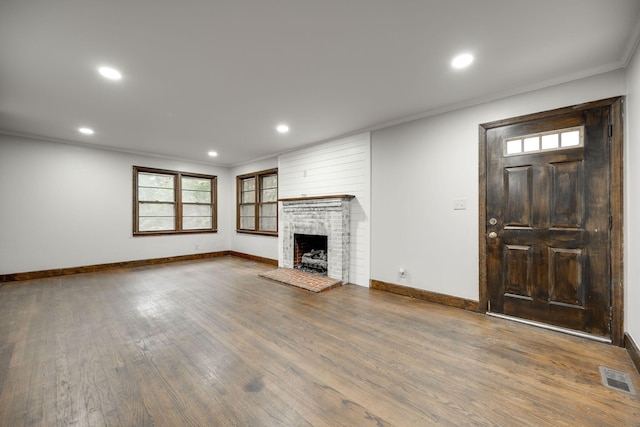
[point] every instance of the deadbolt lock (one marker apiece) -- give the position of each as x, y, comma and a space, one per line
493, 221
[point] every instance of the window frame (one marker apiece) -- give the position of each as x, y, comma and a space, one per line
178, 203
257, 202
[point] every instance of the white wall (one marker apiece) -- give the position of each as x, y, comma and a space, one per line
263, 246
337, 167
632, 200
419, 168
68, 206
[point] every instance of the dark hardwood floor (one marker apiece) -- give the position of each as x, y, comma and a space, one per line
209, 343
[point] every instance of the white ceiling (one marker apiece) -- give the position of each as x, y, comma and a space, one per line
219, 75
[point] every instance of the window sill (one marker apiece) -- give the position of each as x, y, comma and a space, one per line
259, 233
171, 233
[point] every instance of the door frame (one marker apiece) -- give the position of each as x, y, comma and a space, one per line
616, 203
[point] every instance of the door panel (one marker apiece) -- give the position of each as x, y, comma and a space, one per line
519, 263
518, 196
567, 189
548, 250
565, 277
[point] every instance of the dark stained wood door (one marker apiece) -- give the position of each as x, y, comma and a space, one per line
548, 213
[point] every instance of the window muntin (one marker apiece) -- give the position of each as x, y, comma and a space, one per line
258, 202
546, 141
168, 202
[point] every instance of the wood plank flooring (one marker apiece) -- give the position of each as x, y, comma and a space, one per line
209, 343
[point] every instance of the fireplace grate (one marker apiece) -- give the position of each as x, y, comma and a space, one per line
616, 380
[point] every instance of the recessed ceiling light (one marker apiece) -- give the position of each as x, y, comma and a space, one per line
462, 61
110, 73
86, 131
282, 128
213, 153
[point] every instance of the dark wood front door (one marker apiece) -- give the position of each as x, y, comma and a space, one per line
547, 231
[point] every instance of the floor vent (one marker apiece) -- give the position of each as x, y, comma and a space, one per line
616, 380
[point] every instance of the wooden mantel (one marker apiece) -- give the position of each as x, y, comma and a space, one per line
337, 196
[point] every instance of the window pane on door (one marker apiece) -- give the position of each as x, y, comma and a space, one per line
570, 139
532, 144
514, 146
550, 141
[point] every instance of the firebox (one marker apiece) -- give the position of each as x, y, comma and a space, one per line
310, 253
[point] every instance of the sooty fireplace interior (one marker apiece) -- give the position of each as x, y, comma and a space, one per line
310, 253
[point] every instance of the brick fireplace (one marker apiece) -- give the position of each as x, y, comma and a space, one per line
318, 216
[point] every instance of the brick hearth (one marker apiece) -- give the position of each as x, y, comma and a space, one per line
310, 282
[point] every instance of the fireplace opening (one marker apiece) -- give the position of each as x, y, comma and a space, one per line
310, 253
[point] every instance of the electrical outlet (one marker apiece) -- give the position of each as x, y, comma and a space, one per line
403, 272
459, 204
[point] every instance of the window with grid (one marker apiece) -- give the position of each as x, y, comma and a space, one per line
561, 139
169, 202
258, 202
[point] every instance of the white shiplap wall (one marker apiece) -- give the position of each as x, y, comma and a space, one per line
337, 167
